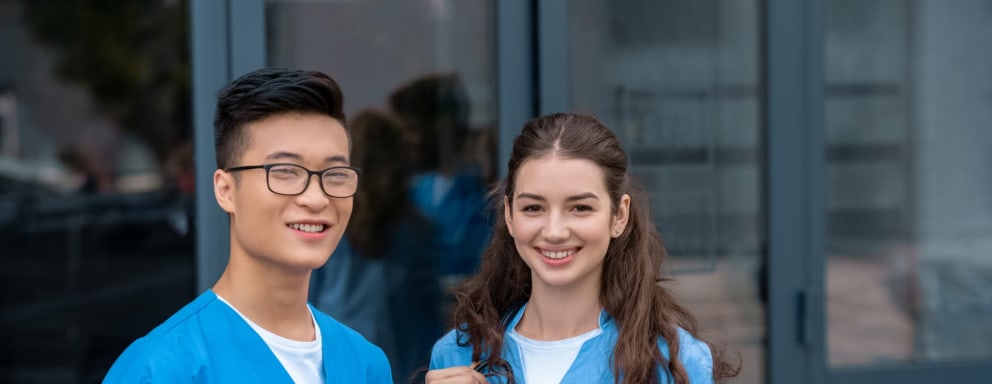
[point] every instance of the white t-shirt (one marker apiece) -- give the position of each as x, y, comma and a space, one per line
303, 360
550, 359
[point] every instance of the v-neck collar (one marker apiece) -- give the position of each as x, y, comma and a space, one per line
233, 333
592, 363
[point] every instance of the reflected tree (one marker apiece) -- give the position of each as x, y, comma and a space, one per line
132, 56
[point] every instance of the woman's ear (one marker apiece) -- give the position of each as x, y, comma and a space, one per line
621, 217
507, 215
224, 190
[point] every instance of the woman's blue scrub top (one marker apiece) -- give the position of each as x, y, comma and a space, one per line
594, 364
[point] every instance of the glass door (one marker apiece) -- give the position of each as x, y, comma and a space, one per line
679, 82
908, 100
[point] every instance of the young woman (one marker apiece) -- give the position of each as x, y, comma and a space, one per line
568, 290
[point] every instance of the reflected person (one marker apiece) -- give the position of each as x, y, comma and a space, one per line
447, 186
381, 279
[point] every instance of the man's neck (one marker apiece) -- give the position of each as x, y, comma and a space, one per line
560, 313
274, 299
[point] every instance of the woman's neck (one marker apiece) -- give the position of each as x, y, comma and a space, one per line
560, 313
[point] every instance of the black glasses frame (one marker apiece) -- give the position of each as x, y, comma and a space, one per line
306, 184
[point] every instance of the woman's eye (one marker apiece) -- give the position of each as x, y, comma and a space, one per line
582, 208
531, 208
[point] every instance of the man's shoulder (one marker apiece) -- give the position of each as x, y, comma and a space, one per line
173, 347
185, 319
178, 328
154, 359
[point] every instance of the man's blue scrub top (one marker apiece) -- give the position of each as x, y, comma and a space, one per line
594, 364
207, 342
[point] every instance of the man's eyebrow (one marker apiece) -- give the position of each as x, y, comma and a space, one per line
337, 159
280, 155
284, 155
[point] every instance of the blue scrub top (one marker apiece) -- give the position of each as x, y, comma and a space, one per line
592, 365
208, 342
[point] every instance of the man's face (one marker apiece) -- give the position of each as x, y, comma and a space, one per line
292, 232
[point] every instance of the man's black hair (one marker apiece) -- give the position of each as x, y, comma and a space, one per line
267, 92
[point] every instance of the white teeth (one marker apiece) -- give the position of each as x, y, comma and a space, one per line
311, 228
557, 255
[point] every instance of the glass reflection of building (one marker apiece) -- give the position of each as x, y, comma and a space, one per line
96, 212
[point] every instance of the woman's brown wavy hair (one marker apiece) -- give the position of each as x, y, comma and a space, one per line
631, 291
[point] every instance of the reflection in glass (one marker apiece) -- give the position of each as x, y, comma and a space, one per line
678, 80
424, 69
95, 182
909, 204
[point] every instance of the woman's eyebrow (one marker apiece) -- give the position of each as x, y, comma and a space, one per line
581, 196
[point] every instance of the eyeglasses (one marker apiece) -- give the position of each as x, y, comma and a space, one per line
292, 179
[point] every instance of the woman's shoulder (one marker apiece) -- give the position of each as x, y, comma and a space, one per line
452, 341
694, 354
451, 350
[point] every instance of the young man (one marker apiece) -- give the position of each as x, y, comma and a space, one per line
284, 179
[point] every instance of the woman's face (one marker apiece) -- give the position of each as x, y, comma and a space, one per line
561, 220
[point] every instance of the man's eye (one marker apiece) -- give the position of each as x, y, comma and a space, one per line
285, 172
339, 176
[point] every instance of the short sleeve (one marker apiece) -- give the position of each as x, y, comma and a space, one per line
697, 359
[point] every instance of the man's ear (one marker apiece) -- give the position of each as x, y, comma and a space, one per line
507, 216
224, 186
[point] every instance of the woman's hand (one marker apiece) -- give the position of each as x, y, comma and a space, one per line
455, 375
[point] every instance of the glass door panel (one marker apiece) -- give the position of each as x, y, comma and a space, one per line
679, 81
909, 210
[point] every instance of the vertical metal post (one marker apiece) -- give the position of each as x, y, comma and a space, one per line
553, 56
793, 75
247, 31
228, 40
210, 58
516, 93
